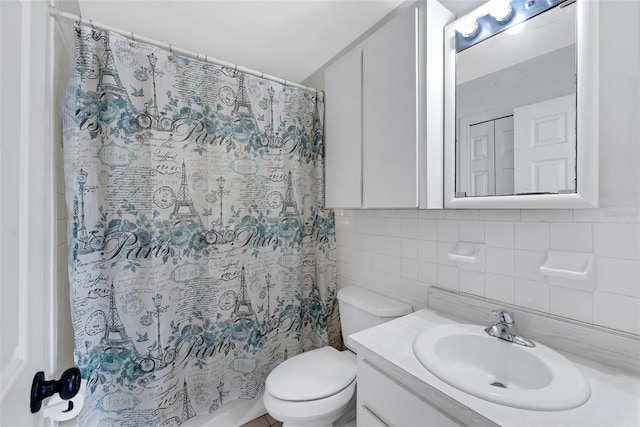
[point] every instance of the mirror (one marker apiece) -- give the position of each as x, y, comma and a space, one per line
506, 85
518, 93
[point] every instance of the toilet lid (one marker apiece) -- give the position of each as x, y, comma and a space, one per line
312, 375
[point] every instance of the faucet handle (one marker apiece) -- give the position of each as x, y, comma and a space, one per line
504, 315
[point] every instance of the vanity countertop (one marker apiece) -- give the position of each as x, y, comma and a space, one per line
615, 394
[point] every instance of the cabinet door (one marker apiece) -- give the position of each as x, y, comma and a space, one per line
366, 418
389, 126
343, 128
383, 401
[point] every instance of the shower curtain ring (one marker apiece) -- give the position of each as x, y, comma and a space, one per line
132, 36
91, 23
205, 57
170, 48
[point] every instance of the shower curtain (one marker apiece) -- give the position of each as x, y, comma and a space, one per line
200, 252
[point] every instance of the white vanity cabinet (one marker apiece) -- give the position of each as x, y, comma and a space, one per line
384, 136
382, 401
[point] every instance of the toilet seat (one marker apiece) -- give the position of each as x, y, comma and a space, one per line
313, 375
312, 413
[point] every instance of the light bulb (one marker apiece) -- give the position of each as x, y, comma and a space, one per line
501, 10
469, 30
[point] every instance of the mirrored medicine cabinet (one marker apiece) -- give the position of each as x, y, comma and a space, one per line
521, 106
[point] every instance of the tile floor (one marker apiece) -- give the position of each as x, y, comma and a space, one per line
263, 421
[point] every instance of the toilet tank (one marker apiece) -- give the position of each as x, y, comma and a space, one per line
361, 309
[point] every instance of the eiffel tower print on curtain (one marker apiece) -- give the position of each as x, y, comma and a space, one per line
187, 410
183, 209
109, 81
289, 212
242, 308
242, 111
115, 336
314, 293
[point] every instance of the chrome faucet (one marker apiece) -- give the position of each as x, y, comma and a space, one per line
506, 329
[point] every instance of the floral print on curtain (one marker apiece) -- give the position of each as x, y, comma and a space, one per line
200, 252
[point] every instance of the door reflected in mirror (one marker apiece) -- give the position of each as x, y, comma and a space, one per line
515, 103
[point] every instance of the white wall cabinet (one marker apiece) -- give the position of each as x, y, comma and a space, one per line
381, 401
343, 118
390, 115
384, 136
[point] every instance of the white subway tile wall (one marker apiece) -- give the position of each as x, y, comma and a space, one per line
532, 294
618, 276
575, 237
500, 261
499, 234
401, 253
471, 282
500, 288
472, 231
617, 240
532, 235
571, 303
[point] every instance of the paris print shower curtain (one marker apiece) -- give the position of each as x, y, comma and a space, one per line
200, 252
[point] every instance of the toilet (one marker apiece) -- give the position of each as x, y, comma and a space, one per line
317, 388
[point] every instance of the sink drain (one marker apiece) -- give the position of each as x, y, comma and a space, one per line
498, 384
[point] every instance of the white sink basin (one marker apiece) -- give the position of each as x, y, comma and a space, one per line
465, 357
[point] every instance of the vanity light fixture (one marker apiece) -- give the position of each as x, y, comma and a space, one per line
500, 15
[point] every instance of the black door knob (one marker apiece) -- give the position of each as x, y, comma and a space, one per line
67, 386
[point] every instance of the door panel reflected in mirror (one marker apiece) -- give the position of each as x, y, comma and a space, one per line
515, 115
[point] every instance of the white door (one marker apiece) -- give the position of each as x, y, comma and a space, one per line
504, 155
545, 153
480, 153
25, 201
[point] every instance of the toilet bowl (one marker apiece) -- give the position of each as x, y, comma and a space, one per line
317, 388
312, 389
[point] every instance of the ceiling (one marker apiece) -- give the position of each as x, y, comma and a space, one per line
289, 39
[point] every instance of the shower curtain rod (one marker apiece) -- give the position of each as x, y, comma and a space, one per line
56, 12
